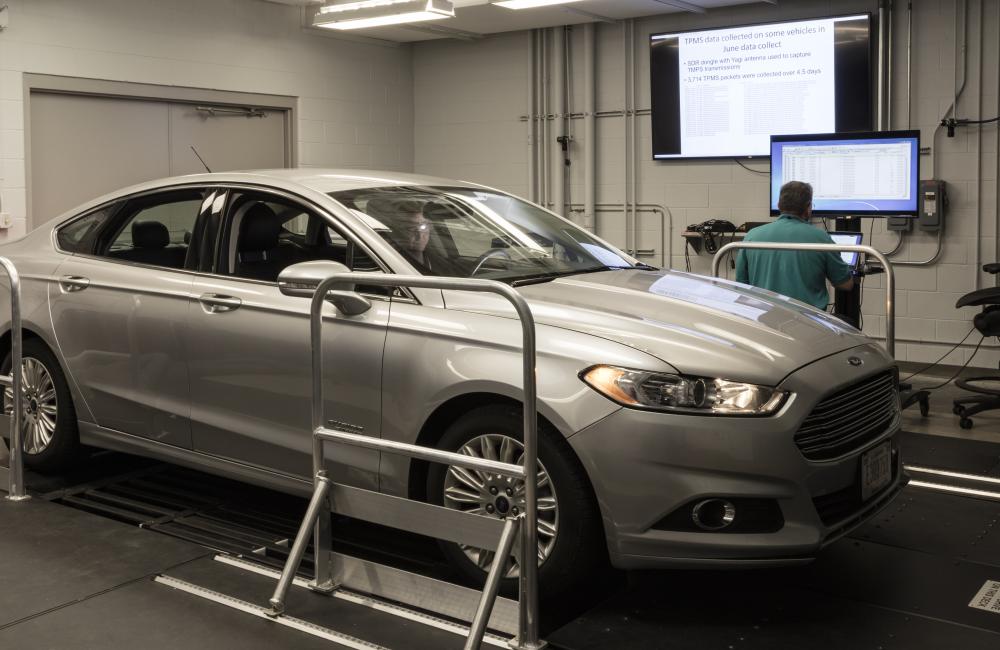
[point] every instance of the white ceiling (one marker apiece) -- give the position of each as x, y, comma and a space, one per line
478, 17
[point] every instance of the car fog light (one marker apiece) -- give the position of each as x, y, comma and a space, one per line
713, 514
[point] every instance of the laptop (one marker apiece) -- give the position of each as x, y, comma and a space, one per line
848, 239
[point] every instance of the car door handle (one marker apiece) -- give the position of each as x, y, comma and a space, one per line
71, 283
215, 303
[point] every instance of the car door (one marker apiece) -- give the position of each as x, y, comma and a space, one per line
120, 314
250, 353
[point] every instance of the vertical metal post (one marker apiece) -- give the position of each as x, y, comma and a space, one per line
16, 471
528, 602
323, 535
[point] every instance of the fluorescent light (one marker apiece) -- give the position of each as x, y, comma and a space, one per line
376, 13
377, 21
529, 4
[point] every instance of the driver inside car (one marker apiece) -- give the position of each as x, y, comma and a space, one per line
410, 230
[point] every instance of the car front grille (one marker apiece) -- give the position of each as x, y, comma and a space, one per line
850, 418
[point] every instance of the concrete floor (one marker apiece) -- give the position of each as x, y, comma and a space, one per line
941, 421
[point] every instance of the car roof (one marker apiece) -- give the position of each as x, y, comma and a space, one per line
315, 179
320, 180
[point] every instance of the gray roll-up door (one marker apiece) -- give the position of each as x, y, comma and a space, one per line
82, 146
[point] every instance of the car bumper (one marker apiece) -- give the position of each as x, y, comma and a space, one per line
645, 466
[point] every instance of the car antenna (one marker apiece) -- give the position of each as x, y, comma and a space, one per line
201, 159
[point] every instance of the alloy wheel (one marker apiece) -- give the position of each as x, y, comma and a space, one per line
497, 496
41, 406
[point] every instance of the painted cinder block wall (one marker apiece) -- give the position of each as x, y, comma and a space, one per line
355, 98
469, 98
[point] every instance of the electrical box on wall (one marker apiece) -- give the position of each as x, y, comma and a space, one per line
933, 201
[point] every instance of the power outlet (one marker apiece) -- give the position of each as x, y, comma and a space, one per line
6, 221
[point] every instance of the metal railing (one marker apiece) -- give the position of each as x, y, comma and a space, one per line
15, 462
317, 517
890, 278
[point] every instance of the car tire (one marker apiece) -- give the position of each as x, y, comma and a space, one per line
578, 543
51, 441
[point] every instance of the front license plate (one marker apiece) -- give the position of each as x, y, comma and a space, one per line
876, 469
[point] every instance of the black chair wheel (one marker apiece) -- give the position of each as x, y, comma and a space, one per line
965, 423
958, 409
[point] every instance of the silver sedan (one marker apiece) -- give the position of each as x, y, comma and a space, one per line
684, 420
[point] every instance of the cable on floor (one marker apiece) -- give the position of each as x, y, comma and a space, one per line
957, 372
942, 357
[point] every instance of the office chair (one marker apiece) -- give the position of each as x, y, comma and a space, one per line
988, 324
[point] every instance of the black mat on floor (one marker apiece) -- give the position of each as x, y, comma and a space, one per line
152, 616
51, 555
939, 524
348, 618
753, 610
945, 452
905, 580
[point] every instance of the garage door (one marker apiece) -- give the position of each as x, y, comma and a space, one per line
82, 146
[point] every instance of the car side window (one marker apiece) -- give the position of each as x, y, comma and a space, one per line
266, 233
80, 236
156, 230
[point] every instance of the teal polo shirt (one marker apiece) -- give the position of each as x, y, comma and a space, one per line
798, 274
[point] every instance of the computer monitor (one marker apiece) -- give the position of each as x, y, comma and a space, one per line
848, 239
870, 174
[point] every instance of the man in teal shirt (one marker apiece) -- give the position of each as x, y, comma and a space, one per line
798, 274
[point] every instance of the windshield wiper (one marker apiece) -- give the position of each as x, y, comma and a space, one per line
548, 277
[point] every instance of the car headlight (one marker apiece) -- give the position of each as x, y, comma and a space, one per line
684, 394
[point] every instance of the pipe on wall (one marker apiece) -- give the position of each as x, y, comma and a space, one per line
909, 64
950, 111
979, 154
558, 169
533, 119
880, 79
890, 60
634, 135
625, 125
589, 127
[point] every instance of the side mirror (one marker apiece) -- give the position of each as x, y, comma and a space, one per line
302, 279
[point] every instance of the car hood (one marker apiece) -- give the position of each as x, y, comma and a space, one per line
698, 325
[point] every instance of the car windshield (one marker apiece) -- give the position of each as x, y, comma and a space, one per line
462, 232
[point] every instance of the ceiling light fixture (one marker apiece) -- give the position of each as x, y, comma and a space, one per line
378, 13
529, 4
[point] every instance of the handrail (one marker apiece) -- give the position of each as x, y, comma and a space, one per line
528, 627
15, 470
890, 278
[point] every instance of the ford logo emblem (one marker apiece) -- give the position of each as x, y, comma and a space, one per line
855, 361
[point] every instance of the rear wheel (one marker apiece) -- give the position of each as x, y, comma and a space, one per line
49, 433
569, 532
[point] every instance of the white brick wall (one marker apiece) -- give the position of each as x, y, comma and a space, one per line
452, 74
355, 99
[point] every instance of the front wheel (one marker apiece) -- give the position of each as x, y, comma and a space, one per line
569, 531
49, 433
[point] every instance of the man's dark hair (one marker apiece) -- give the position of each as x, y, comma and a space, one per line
392, 208
795, 198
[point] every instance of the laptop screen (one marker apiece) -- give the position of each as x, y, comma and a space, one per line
848, 239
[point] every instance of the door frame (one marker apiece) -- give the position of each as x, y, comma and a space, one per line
55, 84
